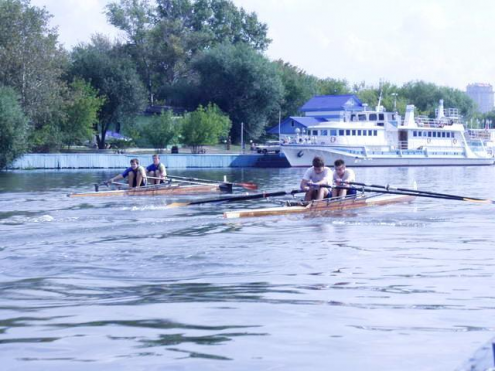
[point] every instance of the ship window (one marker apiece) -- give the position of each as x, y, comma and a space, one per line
375, 133
373, 117
333, 132
315, 132
341, 132
359, 132
353, 118
379, 124
381, 116
365, 133
354, 132
425, 133
443, 134
292, 123
429, 134
434, 134
362, 117
347, 132
448, 134
324, 132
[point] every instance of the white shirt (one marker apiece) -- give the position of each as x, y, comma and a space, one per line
348, 176
311, 176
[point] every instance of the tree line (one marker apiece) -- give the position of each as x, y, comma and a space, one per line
204, 57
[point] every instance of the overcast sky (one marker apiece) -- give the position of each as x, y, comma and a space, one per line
447, 42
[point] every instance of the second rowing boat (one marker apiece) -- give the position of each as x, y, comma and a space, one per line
323, 206
160, 190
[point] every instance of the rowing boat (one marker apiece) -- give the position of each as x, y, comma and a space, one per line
323, 206
160, 190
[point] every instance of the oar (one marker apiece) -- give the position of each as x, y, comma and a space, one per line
237, 198
419, 193
247, 185
414, 193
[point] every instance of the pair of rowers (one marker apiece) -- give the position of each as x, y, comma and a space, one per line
319, 175
137, 175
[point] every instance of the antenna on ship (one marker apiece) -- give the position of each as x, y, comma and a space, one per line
379, 105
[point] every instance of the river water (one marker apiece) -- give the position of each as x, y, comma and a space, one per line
128, 284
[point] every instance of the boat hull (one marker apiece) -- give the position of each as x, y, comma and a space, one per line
323, 206
156, 191
302, 156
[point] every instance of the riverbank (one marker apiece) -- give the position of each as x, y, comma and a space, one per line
118, 161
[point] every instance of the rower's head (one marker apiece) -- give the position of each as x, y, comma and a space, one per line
318, 164
339, 166
134, 163
156, 159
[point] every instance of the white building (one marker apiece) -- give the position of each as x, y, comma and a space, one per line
482, 94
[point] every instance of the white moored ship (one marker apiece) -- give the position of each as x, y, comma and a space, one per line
379, 138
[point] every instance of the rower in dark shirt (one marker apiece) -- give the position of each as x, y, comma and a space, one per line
136, 175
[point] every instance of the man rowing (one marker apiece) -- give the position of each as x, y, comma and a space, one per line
342, 177
136, 175
316, 176
157, 171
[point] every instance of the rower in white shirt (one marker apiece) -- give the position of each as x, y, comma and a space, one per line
315, 176
342, 177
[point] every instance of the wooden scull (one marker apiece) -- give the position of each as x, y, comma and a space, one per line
160, 190
323, 206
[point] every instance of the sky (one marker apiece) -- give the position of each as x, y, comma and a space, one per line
446, 42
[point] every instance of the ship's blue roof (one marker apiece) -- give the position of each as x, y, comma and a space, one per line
331, 103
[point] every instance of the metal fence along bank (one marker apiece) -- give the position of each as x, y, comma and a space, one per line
118, 161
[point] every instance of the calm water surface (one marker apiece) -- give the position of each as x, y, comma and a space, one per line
127, 284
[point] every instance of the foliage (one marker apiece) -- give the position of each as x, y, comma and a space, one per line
330, 86
162, 130
81, 108
13, 126
299, 87
32, 62
204, 127
243, 83
113, 74
163, 39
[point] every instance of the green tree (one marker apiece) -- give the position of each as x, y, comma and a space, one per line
204, 127
81, 109
243, 83
299, 87
32, 62
13, 127
163, 39
162, 130
113, 74
333, 87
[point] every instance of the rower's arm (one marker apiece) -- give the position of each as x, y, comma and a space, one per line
304, 185
115, 178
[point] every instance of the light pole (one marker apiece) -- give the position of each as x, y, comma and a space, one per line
395, 101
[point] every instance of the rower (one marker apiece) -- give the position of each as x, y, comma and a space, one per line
316, 176
342, 177
157, 170
136, 175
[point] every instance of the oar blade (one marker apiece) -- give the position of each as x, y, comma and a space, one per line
177, 204
250, 186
